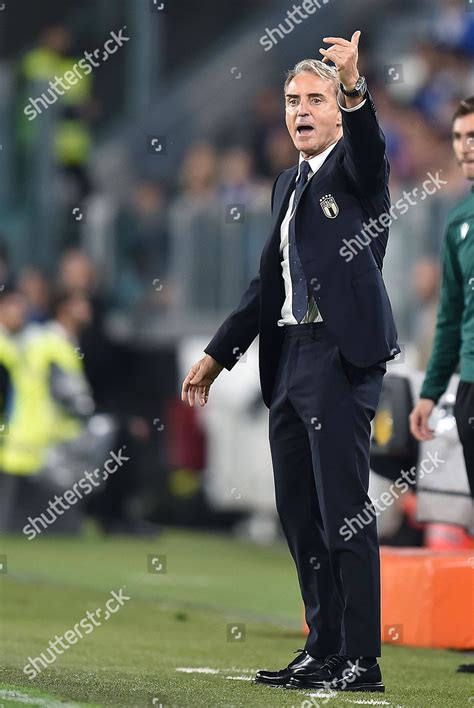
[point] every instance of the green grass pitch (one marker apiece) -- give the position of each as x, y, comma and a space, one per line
171, 643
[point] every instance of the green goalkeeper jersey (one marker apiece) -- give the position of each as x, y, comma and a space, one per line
454, 336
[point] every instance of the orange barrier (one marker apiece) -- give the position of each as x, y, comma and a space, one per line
427, 598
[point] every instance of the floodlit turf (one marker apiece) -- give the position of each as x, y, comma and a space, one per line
181, 619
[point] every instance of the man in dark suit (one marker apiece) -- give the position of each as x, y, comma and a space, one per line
326, 330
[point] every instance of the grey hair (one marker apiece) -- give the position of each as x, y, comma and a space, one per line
315, 66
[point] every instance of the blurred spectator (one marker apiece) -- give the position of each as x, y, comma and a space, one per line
76, 271
194, 224
12, 309
72, 142
199, 173
269, 110
33, 285
238, 185
50, 401
279, 151
142, 254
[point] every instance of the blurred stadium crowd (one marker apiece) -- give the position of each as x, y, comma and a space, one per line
183, 246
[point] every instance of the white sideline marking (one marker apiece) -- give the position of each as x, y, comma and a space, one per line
368, 702
34, 700
208, 670
197, 670
357, 701
319, 694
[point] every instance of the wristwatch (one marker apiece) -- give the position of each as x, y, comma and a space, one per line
359, 89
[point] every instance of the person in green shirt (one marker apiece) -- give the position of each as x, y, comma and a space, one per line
454, 335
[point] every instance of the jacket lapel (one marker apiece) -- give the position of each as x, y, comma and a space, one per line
286, 190
325, 168
288, 184
287, 187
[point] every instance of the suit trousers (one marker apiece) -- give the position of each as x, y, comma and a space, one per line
319, 430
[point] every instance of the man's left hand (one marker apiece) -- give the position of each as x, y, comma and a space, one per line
345, 56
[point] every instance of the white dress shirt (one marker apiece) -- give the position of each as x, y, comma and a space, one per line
312, 313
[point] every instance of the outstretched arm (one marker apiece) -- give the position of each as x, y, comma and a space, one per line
230, 342
238, 331
365, 162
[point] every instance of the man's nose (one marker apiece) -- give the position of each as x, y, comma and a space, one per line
303, 109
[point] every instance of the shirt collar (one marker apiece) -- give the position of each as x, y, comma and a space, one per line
316, 161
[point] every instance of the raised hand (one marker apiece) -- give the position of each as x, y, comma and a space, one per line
345, 56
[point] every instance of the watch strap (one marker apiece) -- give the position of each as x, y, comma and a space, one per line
359, 89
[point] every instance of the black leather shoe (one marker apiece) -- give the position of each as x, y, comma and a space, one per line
342, 673
304, 663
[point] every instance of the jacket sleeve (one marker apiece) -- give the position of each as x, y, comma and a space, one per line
364, 161
237, 332
447, 339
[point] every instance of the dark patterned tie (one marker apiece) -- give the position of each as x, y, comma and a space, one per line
298, 280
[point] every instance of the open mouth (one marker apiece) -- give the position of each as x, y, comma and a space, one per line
304, 130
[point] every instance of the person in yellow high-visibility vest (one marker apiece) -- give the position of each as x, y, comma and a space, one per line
72, 142
53, 398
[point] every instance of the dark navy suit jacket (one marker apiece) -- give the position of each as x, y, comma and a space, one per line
344, 276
